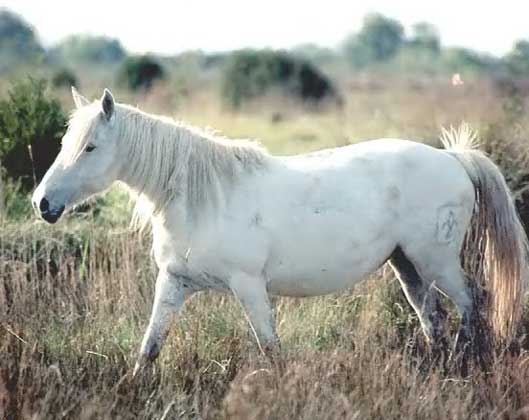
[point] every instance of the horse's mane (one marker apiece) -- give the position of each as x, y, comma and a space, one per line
165, 159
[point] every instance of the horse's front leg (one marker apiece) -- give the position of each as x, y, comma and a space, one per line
253, 296
170, 295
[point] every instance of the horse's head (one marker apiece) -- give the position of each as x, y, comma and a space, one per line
87, 163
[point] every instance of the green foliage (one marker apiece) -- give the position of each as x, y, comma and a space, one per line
417, 61
141, 72
90, 49
357, 54
18, 41
505, 141
29, 120
64, 78
383, 36
381, 44
315, 54
17, 205
425, 36
518, 59
251, 73
463, 60
378, 40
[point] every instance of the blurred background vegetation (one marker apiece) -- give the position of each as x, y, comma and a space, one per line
380, 81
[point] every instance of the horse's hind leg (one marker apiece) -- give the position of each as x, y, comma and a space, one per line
451, 281
422, 296
441, 266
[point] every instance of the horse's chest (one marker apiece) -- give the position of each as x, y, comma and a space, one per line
194, 270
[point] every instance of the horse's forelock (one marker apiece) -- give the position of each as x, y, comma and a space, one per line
81, 125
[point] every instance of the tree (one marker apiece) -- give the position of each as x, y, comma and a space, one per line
518, 59
383, 36
141, 72
85, 48
18, 41
358, 54
421, 52
425, 36
379, 39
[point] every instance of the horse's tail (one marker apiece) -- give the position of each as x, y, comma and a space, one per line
495, 250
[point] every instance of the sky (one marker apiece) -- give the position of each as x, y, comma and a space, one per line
172, 26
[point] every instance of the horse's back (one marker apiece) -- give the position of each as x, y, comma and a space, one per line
339, 213
374, 185
413, 168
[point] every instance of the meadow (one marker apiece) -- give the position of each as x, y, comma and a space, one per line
75, 297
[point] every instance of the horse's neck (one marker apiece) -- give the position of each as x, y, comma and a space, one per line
192, 179
168, 162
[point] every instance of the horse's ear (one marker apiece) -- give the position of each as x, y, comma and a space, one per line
79, 99
107, 103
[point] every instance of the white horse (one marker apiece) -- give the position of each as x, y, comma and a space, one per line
227, 216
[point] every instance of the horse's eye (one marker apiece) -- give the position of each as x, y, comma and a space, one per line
90, 148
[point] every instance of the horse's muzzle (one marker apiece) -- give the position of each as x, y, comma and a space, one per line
48, 214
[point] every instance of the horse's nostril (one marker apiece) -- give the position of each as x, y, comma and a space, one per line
44, 205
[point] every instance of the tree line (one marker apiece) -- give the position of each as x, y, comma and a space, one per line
380, 42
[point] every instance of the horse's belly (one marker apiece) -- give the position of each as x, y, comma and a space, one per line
314, 284
305, 273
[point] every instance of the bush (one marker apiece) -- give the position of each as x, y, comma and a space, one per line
14, 203
518, 59
506, 144
465, 61
141, 72
31, 126
89, 49
251, 73
64, 79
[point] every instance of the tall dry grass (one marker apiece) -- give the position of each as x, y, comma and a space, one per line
75, 299
74, 302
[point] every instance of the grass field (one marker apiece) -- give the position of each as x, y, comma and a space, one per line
75, 298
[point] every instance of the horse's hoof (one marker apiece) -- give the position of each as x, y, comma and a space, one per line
146, 358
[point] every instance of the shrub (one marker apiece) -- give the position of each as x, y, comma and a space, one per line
14, 203
64, 79
465, 61
518, 59
86, 49
251, 73
31, 126
506, 144
141, 72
